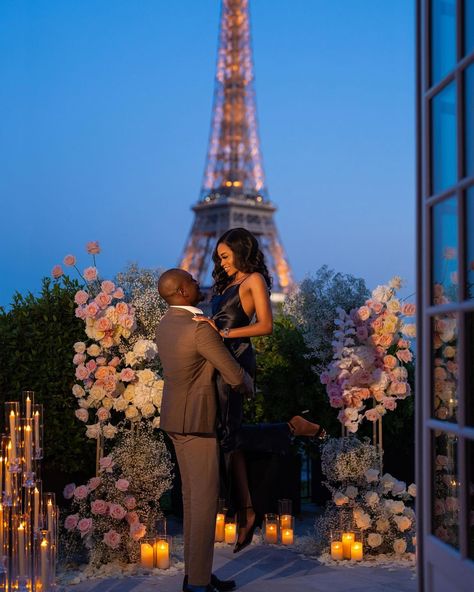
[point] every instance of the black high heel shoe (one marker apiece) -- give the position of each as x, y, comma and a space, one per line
249, 535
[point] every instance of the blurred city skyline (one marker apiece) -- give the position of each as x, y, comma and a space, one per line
107, 109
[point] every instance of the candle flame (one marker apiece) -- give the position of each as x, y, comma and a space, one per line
12, 413
44, 543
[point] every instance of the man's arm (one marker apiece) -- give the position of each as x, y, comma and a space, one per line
210, 346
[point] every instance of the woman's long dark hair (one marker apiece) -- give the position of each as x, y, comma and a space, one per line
247, 258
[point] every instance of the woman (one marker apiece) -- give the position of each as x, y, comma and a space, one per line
241, 292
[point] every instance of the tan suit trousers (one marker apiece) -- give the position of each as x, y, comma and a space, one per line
198, 464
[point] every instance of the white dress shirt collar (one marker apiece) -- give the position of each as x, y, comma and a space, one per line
193, 309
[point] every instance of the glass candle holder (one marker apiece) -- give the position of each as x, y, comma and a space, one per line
147, 553
27, 403
160, 527
337, 550
162, 552
45, 567
285, 507
271, 529
219, 534
357, 546
12, 423
38, 431
348, 537
287, 532
37, 505
230, 531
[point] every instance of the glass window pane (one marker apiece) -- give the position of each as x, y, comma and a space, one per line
469, 120
470, 241
469, 359
443, 38
470, 467
445, 367
445, 251
445, 510
443, 139
468, 26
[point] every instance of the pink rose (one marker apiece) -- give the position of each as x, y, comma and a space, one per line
127, 321
107, 341
404, 355
336, 401
94, 483
57, 272
325, 378
122, 484
372, 415
82, 414
69, 260
104, 324
452, 504
71, 521
107, 286
68, 491
81, 312
362, 333
84, 526
403, 344
91, 365
118, 294
132, 518
92, 309
390, 362
112, 539
82, 372
137, 531
81, 297
101, 361
106, 463
103, 300
93, 248
121, 308
130, 502
386, 340
81, 492
409, 309
114, 362
90, 273
117, 511
99, 507
364, 313
78, 359
127, 375
377, 307
103, 414
389, 403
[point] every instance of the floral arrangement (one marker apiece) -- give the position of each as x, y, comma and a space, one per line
115, 509
115, 366
377, 505
371, 350
446, 502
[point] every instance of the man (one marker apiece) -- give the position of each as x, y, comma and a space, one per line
191, 353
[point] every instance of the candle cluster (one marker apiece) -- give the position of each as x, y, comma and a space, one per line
346, 547
155, 552
28, 518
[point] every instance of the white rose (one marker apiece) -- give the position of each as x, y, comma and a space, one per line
340, 499
399, 487
129, 393
156, 422
120, 404
146, 376
97, 392
409, 329
399, 546
79, 347
145, 349
403, 523
109, 431
382, 294
82, 414
132, 413
371, 475
412, 490
156, 397
387, 482
371, 498
382, 525
374, 540
362, 519
93, 431
394, 507
351, 491
107, 403
148, 410
78, 391
130, 359
393, 305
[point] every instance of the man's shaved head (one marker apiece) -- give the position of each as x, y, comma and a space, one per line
178, 287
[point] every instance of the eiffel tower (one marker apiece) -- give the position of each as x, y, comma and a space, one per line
233, 191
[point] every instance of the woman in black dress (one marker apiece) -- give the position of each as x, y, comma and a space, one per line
241, 293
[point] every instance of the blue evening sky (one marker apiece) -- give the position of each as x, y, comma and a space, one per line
105, 113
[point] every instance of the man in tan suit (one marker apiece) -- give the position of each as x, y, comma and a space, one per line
191, 353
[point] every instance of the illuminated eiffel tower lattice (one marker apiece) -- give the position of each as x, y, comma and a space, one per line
233, 190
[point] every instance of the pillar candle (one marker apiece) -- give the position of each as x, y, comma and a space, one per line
287, 536
1, 476
44, 565
50, 515
286, 521
146, 555
162, 554
8, 481
37, 431
28, 407
230, 533
28, 448
13, 434
271, 533
21, 550
337, 551
356, 551
36, 507
347, 540
220, 528
1, 529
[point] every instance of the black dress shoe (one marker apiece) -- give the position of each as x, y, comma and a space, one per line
216, 583
208, 588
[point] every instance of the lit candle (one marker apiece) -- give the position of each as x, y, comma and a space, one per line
271, 533
44, 564
356, 551
36, 505
146, 555
1, 528
50, 515
28, 407
337, 551
1, 475
347, 540
230, 533
8, 480
220, 528
28, 448
36, 417
286, 521
13, 434
21, 550
162, 554
287, 536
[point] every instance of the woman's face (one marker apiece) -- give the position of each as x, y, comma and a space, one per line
226, 256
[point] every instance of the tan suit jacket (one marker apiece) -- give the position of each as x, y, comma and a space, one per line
190, 353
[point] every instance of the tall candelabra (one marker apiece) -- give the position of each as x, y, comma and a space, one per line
28, 517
